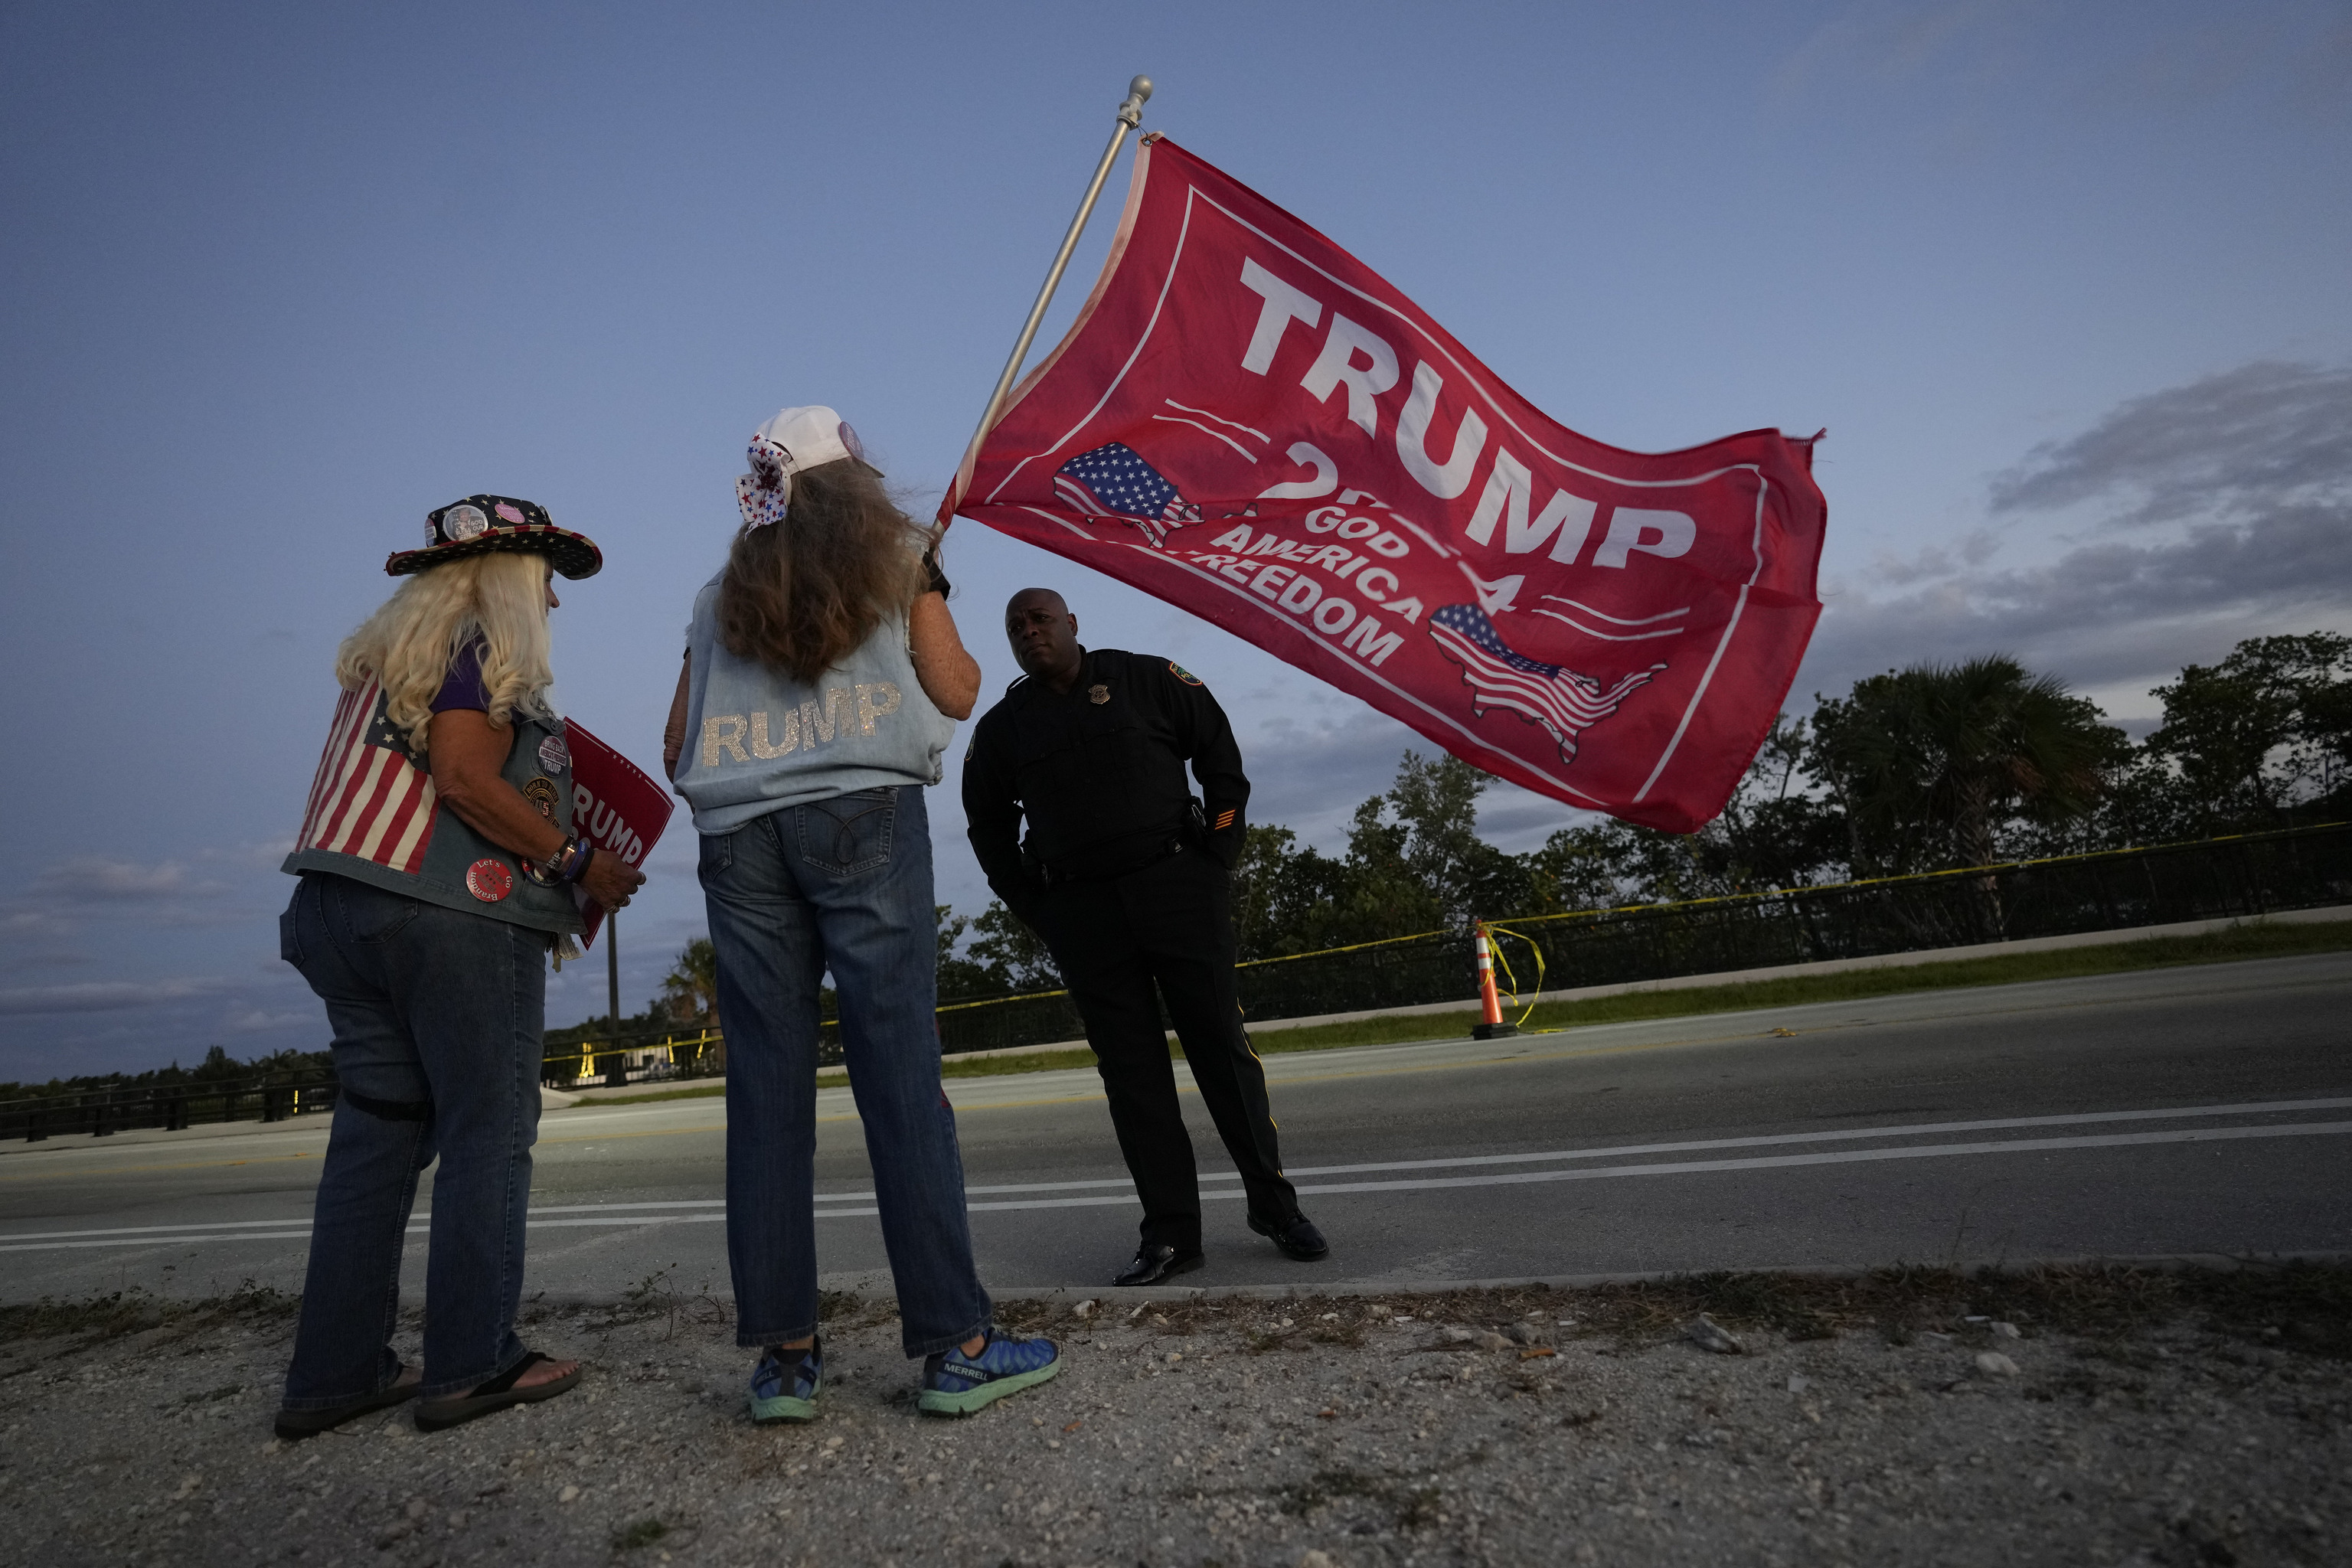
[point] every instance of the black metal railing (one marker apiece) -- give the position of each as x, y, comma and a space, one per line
2170, 884
99, 1112
2247, 876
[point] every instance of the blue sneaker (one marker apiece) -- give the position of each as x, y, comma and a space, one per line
785, 1389
958, 1385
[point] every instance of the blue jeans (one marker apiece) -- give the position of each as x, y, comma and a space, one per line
438, 1016
841, 884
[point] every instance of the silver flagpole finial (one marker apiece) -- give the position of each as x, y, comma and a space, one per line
1138, 93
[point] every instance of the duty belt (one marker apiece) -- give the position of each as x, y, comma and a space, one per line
1104, 869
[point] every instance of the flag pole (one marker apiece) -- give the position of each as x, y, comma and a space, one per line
1130, 115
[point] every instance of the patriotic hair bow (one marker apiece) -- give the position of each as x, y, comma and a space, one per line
767, 490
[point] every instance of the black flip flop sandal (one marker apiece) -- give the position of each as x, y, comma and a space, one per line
440, 1414
293, 1426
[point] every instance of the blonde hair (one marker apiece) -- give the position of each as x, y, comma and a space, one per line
408, 643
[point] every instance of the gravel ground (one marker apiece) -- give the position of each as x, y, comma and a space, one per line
2138, 1418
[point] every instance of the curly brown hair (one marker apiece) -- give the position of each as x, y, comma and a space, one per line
799, 594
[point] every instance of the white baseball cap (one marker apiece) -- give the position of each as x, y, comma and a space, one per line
795, 441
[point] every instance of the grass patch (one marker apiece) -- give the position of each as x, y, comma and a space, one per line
2304, 1306
716, 1087
92, 1318
2237, 943
638, 1533
1042, 1061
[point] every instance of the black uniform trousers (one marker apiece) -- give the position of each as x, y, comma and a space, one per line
1169, 923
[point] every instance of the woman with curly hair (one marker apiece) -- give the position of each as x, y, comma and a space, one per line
823, 679
437, 865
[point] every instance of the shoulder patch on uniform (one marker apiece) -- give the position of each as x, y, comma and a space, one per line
1182, 674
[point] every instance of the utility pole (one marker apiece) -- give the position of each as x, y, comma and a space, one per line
612, 979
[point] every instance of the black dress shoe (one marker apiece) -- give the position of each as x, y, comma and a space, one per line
1295, 1237
1155, 1262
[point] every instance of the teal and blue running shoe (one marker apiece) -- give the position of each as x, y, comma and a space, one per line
784, 1387
957, 1384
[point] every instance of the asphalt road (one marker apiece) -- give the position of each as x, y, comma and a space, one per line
2183, 1111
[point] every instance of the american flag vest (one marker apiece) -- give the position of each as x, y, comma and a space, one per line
373, 817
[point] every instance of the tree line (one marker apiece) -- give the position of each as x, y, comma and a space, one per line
1922, 769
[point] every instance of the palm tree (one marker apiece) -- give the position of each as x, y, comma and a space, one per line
691, 986
1931, 762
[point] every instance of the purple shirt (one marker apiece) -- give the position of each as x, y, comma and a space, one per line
463, 687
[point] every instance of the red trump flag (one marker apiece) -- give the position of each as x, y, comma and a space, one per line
1249, 423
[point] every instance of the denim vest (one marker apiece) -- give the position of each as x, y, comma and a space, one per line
757, 741
373, 816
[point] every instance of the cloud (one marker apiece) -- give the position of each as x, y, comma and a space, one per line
247, 1019
108, 995
2234, 447
2203, 514
1976, 56
89, 880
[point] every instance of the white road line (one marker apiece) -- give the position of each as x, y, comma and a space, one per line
2259, 1108
606, 1214
1858, 1156
155, 1229
303, 1234
1837, 1157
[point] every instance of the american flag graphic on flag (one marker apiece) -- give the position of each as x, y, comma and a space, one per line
1113, 482
370, 798
1564, 702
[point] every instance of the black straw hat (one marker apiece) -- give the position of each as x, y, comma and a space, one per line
480, 524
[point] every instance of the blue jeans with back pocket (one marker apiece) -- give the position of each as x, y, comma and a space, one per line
843, 884
438, 1017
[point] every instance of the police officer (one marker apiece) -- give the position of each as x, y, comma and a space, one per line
1127, 878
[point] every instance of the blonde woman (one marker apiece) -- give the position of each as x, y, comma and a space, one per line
437, 867
824, 679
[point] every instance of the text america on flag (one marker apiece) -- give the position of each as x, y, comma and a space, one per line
1562, 701
369, 799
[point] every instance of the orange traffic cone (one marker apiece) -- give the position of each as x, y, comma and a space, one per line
1494, 1028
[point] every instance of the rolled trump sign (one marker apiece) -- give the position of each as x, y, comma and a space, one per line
615, 806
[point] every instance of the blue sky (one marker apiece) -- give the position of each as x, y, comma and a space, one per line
2065, 284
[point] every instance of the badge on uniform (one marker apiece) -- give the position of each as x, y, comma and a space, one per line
553, 754
489, 879
540, 793
1097, 694
1182, 674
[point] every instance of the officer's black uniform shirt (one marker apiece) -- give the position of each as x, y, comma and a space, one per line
1099, 781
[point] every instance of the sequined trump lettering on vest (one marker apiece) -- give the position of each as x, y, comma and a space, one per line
757, 739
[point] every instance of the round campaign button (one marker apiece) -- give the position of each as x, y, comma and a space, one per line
461, 523
553, 754
489, 879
